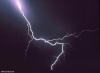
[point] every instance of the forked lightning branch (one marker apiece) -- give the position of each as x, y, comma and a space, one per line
31, 34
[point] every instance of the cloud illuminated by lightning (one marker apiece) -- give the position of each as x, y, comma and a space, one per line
31, 34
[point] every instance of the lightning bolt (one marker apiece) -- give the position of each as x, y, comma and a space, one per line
31, 35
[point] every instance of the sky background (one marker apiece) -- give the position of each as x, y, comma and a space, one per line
50, 19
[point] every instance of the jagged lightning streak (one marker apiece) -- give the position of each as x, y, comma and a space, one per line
31, 34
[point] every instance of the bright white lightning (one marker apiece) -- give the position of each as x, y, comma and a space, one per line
31, 34
19, 5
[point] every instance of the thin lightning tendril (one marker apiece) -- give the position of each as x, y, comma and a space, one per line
31, 35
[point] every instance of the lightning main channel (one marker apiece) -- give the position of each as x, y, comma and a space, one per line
31, 35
